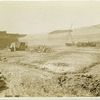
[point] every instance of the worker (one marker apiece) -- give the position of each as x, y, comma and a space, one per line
13, 47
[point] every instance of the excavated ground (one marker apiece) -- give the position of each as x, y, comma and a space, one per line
61, 73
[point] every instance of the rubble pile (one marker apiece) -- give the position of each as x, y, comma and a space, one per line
42, 49
79, 85
3, 59
63, 85
2, 81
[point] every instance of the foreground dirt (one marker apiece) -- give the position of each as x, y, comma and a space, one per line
64, 73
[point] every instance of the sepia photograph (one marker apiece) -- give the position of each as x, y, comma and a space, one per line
49, 49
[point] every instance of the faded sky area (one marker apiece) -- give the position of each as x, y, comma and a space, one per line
33, 17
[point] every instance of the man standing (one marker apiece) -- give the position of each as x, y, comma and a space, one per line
13, 47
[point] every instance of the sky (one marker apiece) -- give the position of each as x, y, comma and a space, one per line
39, 17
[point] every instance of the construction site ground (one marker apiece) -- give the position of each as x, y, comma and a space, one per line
67, 71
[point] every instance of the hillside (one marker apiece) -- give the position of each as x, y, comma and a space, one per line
60, 31
60, 37
94, 29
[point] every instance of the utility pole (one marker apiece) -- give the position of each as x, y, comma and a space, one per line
70, 31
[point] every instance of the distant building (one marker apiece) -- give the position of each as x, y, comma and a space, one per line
7, 38
3, 33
